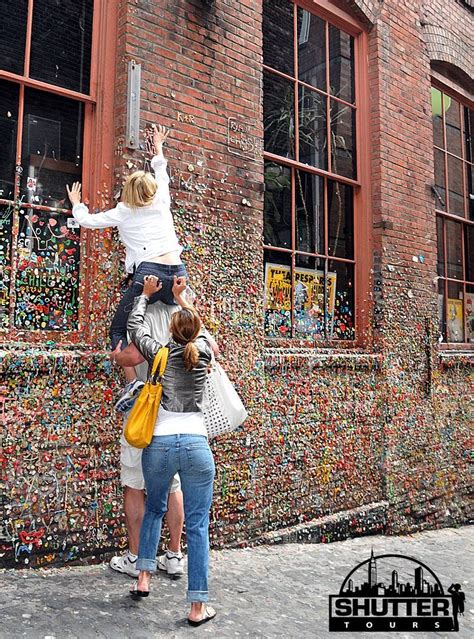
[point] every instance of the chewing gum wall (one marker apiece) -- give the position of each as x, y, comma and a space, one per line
344, 438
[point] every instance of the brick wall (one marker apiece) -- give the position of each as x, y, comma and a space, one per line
381, 430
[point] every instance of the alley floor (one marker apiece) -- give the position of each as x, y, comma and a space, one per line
262, 592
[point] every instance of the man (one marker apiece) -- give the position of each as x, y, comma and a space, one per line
172, 561
158, 319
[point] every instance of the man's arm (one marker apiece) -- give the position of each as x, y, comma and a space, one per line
136, 326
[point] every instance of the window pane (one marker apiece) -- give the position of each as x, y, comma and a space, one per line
278, 36
61, 43
455, 313
277, 206
312, 128
13, 35
470, 314
343, 155
437, 110
439, 233
453, 125
469, 133
440, 180
470, 190
6, 220
309, 212
442, 309
52, 147
456, 186
311, 49
340, 220
469, 252
453, 249
47, 278
341, 309
8, 126
277, 299
341, 64
279, 115
309, 298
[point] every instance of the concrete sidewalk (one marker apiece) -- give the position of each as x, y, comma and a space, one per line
264, 592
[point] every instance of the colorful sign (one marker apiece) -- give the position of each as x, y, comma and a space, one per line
308, 301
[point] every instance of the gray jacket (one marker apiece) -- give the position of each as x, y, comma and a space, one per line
182, 390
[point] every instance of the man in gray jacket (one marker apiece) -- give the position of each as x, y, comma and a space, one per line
158, 319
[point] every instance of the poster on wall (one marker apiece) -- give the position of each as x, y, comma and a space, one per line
455, 319
470, 317
309, 302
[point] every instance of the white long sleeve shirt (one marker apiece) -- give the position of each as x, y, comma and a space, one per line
147, 232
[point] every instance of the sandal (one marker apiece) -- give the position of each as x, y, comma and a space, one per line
209, 613
136, 594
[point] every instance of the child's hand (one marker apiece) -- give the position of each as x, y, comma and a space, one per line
74, 193
160, 134
179, 286
151, 285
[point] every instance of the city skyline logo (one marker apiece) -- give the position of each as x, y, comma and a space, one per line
395, 593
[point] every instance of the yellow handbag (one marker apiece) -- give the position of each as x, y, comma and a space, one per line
142, 418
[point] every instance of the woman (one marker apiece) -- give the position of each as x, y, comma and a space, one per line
179, 445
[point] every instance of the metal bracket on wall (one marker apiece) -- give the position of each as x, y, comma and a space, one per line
132, 134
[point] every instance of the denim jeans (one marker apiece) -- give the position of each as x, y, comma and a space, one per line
166, 273
191, 457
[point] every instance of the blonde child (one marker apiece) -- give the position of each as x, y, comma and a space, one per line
145, 225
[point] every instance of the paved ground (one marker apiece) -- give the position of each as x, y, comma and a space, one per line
266, 592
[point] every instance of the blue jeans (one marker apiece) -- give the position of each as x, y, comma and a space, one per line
166, 273
191, 457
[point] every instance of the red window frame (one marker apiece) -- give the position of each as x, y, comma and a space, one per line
362, 260
465, 222
97, 161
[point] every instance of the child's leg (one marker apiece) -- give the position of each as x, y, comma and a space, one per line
118, 328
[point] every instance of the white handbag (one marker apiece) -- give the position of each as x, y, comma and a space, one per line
223, 409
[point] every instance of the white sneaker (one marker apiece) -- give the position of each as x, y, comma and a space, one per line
128, 396
172, 563
125, 563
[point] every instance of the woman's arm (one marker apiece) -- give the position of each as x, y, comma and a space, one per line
137, 329
81, 213
159, 163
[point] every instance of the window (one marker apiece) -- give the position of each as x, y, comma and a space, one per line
311, 175
453, 129
45, 107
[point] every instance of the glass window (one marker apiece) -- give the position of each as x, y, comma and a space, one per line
278, 36
454, 196
6, 221
312, 128
47, 279
9, 96
341, 64
52, 147
39, 239
310, 175
64, 30
13, 35
311, 49
279, 115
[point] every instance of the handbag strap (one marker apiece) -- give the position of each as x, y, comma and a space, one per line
159, 364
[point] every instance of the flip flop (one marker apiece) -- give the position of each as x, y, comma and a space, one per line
209, 613
136, 594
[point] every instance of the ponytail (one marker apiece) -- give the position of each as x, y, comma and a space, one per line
190, 356
185, 327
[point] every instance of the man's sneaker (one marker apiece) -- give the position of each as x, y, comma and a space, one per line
125, 563
128, 396
172, 563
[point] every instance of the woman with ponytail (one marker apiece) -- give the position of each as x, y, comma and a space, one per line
179, 445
